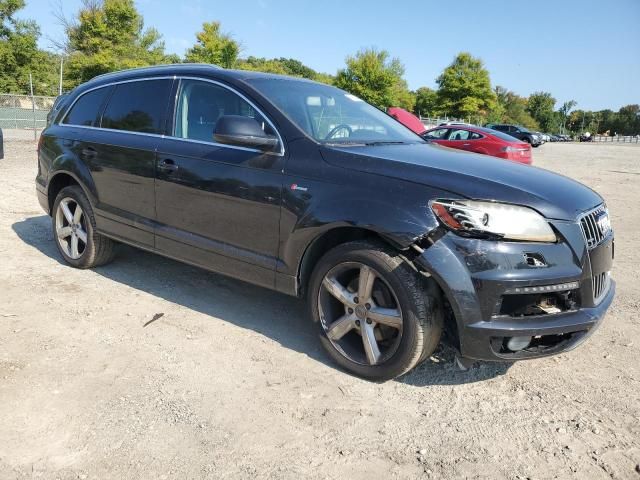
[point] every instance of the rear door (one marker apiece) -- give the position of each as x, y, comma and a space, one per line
122, 155
218, 205
457, 138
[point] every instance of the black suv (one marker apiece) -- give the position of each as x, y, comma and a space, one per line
305, 189
532, 138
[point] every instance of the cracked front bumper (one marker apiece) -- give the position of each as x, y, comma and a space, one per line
476, 276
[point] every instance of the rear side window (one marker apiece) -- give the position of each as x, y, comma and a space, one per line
138, 106
459, 135
85, 111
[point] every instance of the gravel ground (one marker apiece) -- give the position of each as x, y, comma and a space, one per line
230, 382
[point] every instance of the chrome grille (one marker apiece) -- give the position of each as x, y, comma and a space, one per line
600, 284
595, 226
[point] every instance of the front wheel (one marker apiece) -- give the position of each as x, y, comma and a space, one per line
74, 229
377, 317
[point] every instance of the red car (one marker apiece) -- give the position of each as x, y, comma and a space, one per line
480, 140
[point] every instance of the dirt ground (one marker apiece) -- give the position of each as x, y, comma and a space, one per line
231, 383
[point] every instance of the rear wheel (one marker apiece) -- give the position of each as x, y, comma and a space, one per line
74, 228
377, 317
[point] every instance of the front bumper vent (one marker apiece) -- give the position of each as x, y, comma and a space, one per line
600, 284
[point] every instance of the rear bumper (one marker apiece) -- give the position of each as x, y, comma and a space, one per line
479, 278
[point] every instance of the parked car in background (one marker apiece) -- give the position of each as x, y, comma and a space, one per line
586, 137
406, 118
480, 140
306, 189
519, 132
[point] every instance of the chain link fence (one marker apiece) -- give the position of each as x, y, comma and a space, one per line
21, 112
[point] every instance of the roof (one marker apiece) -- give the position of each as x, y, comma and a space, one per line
186, 69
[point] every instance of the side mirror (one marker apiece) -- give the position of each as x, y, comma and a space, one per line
243, 132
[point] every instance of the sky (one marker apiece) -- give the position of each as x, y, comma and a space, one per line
582, 50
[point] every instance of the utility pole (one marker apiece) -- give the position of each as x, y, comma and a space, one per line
33, 108
61, 65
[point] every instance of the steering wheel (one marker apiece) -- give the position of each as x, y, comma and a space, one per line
335, 130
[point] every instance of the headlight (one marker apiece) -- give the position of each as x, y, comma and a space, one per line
489, 219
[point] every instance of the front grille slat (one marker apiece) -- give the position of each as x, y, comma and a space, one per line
593, 233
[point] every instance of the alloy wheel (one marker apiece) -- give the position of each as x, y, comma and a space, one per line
360, 313
71, 231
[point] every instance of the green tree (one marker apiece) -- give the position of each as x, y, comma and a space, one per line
465, 88
565, 110
283, 66
20, 56
376, 78
426, 102
628, 120
109, 35
214, 46
511, 108
258, 64
540, 106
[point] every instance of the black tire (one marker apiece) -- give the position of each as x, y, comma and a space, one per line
417, 297
98, 250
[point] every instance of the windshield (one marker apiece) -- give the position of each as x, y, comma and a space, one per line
331, 115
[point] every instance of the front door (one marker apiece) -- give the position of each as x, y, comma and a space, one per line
217, 205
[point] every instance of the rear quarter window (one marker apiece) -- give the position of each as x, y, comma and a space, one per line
138, 106
85, 110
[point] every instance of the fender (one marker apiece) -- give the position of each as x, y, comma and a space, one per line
306, 217
69, 165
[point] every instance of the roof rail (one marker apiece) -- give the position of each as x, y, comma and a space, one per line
158, 67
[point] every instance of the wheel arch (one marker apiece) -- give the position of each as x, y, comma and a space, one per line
66, 173
327, 240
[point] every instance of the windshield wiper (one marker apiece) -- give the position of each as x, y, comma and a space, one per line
384, 142
345, 144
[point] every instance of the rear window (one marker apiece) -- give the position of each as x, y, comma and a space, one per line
138, 106
85, 111
498, 134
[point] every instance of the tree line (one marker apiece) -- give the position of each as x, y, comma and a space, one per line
109, 35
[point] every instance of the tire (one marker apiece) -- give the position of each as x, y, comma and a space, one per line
411, 301
97, 249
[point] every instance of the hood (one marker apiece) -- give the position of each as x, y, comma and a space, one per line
470, 175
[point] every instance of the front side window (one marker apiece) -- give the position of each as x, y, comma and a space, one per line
202, 104
437, 134
85, 110
330, 115
138, 106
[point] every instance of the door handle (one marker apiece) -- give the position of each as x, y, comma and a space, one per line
89, 153
167, 165
466, 144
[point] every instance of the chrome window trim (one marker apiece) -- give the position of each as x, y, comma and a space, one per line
172, 137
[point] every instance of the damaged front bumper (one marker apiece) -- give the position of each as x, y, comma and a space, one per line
518, 300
